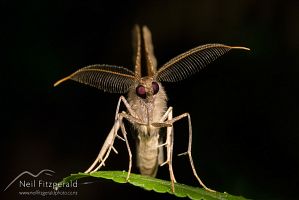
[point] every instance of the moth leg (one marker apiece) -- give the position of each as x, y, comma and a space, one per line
171, 121
127, 105
105, 150
161, 144
108, 144
169, 142
132, 116
161, 151
162, 123
124, 132
165, 116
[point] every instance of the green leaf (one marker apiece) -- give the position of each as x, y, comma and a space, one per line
158, 185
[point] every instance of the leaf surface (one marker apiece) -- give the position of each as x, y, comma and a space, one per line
157, 185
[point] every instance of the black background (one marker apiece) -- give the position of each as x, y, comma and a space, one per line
244, 106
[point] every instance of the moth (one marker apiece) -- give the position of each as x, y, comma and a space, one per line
146, 103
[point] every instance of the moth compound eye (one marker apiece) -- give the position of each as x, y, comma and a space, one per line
155, 86
140, 91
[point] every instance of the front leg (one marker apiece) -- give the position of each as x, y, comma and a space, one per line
171, 121
124, 132
105, 150
109, 141
127, 105
169, 141
169, 144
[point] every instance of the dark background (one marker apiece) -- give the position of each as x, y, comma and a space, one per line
244, 106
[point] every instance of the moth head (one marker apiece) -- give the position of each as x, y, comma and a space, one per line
147, 88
